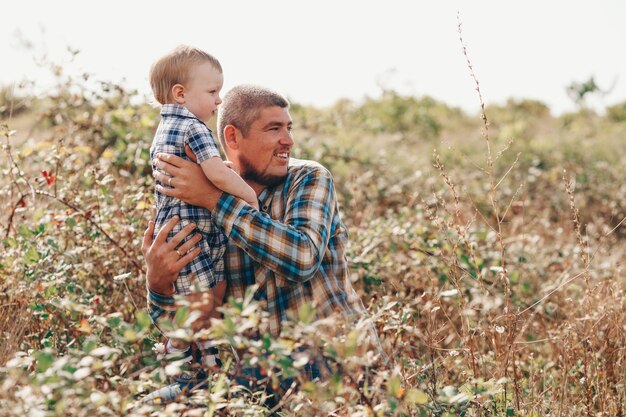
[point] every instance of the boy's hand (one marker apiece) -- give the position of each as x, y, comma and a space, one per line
190, 153
231, 165
163, 258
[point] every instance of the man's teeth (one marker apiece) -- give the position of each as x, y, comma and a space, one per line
282, 155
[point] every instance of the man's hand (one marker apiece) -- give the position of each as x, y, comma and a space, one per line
187, 181
163, 259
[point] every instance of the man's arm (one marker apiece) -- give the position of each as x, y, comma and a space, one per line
294, 246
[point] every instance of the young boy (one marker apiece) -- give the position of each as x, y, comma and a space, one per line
187, 83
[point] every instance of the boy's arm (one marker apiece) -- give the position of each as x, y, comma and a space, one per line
204, 148
228, 181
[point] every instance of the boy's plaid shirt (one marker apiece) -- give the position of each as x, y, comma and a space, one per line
179, 127
294, 248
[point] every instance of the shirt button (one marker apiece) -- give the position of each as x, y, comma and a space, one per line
264, 208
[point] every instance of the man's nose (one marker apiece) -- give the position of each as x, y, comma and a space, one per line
286, 138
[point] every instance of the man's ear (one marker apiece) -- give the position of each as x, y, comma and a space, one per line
178, 93
232, 137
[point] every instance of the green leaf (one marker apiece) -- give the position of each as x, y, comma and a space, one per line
70, 222
416, 396
250, 291
351, 343
372, 280
31, 256
51, 291
182, 313
394, 386
89, 345
114, 321
24, 231
10, 242
143, 320
267, 341
36, 307
307, 313
236, 304
130, 335
53, 244
44, 361
309, 387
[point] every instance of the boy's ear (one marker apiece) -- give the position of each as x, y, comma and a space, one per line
178, 93
232, 137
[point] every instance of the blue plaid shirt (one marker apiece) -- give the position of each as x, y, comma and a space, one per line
179, 127
293, 248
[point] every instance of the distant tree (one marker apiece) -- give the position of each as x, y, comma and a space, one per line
397, 113
580, 91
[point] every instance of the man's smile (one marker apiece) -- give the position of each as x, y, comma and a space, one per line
282, 155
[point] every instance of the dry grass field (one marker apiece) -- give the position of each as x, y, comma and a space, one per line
489, 253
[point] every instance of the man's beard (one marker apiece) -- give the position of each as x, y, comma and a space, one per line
249, 172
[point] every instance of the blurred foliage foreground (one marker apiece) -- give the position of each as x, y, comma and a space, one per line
490, 256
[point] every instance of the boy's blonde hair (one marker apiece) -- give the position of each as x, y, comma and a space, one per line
173, 68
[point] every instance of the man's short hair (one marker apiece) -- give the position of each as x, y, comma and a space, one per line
173, 68
241, 107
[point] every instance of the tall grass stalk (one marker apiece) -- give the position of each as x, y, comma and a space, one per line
511, 316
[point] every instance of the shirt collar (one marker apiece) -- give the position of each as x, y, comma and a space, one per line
176, 110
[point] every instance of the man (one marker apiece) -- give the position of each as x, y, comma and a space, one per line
293, 248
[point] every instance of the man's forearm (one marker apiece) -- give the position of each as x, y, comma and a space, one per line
158, 285
210, 199
293, 246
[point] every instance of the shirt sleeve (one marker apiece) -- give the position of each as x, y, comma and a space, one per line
201, 142
294, 246
160, 303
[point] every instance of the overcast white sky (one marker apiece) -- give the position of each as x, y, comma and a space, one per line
318, 51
